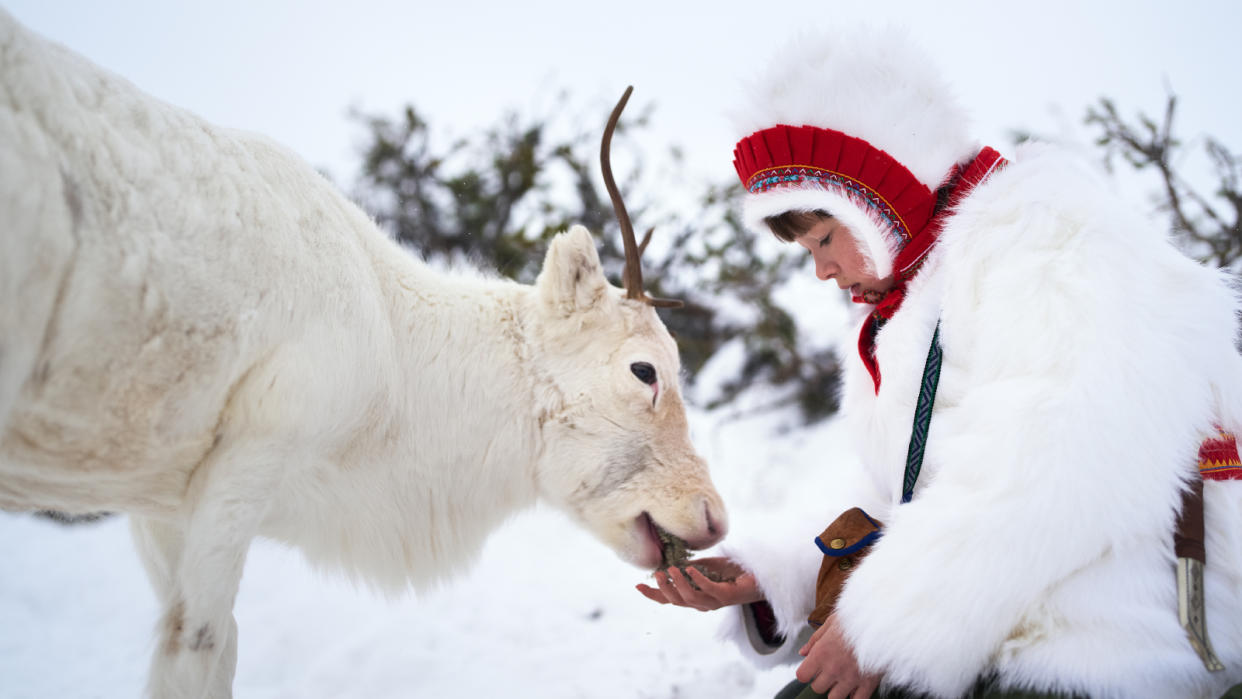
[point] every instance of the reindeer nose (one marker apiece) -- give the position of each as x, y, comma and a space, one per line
715, 525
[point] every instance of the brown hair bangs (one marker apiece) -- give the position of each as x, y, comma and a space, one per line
791, 224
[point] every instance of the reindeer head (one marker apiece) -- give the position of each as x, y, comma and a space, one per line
617, 451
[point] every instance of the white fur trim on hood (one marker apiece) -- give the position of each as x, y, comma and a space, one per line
878, 245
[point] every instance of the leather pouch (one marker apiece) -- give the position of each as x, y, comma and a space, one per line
844, 544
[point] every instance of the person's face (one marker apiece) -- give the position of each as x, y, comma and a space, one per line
838, 258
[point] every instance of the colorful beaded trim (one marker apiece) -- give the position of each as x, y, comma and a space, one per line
784, 175
1218, 458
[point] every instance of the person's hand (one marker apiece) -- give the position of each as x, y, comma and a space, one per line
675, 587
830, 665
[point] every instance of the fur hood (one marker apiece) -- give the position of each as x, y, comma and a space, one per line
871, 85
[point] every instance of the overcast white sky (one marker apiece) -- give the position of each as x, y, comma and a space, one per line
291, 69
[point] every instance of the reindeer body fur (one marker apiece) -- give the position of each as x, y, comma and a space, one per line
204, 333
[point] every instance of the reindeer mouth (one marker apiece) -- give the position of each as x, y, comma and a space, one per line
673, 549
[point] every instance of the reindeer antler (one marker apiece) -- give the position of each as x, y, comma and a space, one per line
633, 275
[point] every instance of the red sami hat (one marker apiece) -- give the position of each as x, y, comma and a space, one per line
857, 124
808, 168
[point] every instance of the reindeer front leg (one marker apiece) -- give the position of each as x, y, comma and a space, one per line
201, 570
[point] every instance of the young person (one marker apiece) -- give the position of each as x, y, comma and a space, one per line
1039, 379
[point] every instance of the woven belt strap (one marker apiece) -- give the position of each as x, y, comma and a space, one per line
922, 416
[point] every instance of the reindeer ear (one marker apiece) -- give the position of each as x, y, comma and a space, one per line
572, 279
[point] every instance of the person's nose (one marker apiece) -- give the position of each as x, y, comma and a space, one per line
824, 270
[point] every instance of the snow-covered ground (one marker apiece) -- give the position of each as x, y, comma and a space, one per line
547, 612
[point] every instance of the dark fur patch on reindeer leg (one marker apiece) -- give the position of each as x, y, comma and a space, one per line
203, 639
174, 621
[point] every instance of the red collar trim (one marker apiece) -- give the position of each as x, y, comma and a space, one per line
961, 182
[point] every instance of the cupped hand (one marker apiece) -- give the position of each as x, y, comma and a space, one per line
675, 587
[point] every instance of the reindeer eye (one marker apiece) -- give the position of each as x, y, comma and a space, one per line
644, 371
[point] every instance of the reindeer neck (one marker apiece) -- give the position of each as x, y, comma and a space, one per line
448, 449
461, 342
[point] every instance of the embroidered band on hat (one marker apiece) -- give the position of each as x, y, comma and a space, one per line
810, 158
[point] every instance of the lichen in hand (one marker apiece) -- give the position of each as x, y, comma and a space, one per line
677, 554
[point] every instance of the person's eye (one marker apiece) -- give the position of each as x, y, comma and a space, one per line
825, 240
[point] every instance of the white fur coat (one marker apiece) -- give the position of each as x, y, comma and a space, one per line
1084, 361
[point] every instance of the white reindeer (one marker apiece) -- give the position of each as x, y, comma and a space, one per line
197, 329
